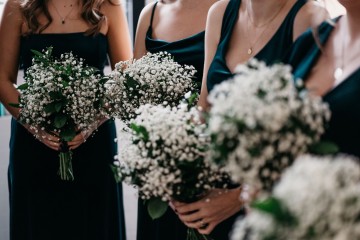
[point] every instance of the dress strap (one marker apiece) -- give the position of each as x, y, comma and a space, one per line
152, 13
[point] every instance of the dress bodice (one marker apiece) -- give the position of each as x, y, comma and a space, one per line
189, 51
344, 127
93, 49
274, 51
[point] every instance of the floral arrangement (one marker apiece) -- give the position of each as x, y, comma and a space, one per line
153, 79
317, 198
167, 158
260, 121
61, 96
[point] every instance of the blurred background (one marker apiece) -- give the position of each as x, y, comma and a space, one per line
133, 9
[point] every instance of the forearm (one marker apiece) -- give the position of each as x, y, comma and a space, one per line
9, 94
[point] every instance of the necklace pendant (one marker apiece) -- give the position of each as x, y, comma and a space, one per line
250, 51
63, 21
338, 73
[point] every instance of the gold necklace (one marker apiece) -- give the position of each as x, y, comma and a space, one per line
62, 19
252, 45
339, 70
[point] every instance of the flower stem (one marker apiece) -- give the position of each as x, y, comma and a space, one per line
66, 170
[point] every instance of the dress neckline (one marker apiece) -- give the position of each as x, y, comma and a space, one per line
149, 36
65, 34
224, 52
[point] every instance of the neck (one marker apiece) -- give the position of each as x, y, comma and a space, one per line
351, 20
262, 10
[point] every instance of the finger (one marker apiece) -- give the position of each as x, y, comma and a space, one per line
189, 207
52, 138
78, 137
208, 229
74, 143
177, 204
53, 145
75, 146
195, 225
192, 217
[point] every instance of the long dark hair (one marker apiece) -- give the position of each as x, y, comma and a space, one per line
90, 12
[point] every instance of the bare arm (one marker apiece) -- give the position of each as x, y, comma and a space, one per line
142, 27
10, 33
118, 33
310, 15
212, 38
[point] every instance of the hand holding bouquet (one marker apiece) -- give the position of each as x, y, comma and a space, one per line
167, 160
63, 97
153, 79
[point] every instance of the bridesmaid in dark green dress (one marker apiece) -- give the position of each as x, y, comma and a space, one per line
176, 27
42, 206
237, 30
328, 60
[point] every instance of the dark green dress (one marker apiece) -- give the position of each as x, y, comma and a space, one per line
188, 51
344, 99
274, 51
43, 207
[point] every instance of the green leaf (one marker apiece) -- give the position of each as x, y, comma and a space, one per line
55, 95
114, 169
156, 208
67, 134
50, 108
15, 105
58, 106
275, 208
23, 86
140, 131
60, 120
131, 83
324, 148
37, 53
65, 83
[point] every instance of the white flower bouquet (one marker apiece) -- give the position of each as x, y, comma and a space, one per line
318, 198
260, 122
61, 96
167, 158
153, 79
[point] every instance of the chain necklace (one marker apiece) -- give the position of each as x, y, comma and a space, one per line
339, 70
252, 45
62, 19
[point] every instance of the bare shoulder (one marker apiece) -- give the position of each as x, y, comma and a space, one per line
145, 15
310, 15
217, 10
111, 8
13, 14
13, 9
312, 11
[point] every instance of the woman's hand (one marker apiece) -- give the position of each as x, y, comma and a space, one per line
85, 134
205, 214
49, 139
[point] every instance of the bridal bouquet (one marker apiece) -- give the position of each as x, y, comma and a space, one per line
153, 79
316, 199
61, 96
167, 158
260, 122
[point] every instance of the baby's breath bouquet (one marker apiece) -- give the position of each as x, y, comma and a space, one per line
153, 79
61, 96
260, 121
318, 198
167, 158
